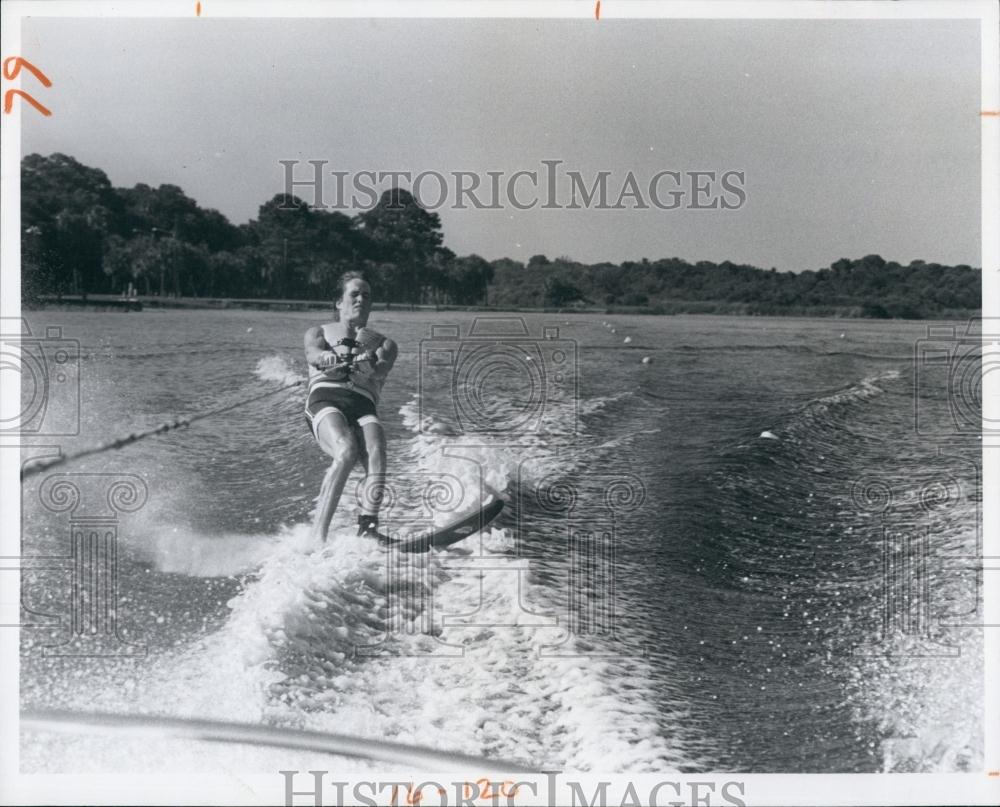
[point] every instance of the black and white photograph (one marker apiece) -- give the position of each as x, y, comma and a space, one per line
500, 403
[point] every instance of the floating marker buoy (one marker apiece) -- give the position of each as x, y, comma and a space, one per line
613, 331
768, 435
249, 330
628, 339
843, 335
647, 359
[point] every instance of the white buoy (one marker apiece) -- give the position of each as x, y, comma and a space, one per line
843, 335
249, 330
614, 331
768, 435
628, 339
647, 359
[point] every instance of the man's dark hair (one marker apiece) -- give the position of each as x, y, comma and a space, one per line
346, 278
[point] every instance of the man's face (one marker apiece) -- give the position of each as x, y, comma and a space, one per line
356, 302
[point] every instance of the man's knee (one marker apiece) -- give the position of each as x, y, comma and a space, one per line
345, 450
341, 446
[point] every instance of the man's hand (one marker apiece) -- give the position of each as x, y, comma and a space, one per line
327, 360
363, 362
316, 346
385, 357
334, 366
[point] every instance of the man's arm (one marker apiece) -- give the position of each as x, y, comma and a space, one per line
385, 357
317, 348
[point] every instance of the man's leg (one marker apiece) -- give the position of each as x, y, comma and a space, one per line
373, 487
335, 438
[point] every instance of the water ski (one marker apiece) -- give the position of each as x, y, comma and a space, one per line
448, 534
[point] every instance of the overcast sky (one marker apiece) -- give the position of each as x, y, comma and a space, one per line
855, 136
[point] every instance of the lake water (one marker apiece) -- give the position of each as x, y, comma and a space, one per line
665, 590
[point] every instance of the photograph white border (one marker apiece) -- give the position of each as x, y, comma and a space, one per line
761, 789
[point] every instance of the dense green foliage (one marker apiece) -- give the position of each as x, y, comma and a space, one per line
869, 286
81, 235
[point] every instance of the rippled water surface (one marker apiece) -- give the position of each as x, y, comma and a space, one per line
665, 590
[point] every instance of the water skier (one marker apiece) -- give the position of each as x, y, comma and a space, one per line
348, 364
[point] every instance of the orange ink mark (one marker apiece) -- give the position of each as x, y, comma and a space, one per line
485, 790
8, 102
995, 113
993, 773
509, 789
13, 73
197, 9
597, 10
411, 797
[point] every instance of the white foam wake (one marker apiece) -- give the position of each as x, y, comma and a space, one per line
279, 369
461, 650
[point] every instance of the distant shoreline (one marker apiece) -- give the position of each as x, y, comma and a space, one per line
110, 302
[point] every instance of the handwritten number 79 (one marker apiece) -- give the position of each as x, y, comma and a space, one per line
12, 67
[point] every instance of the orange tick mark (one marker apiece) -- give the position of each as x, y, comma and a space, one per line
995, 113
597, 10
8, 102
13, 72
197, 9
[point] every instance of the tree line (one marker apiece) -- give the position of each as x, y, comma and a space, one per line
868, 287
81, 235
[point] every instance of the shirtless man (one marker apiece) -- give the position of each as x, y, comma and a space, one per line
348, 363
